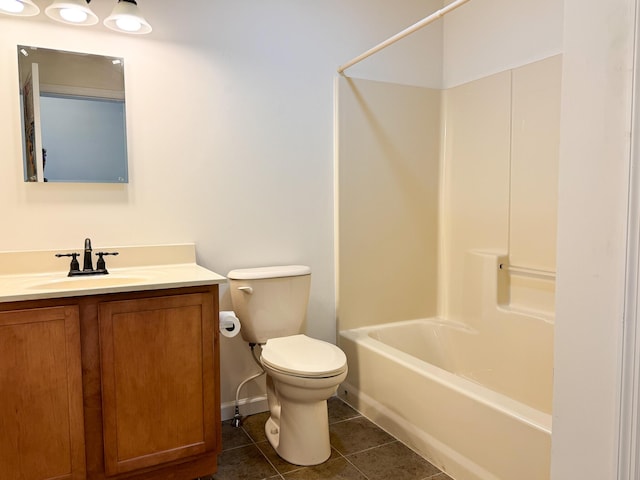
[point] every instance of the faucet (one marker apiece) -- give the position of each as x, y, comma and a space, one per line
87, 266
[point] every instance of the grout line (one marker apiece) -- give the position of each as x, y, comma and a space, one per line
357, 469
255, 444
269, 461
395, 440
266, 441
236, 448
403, 443
347, 419
249, 440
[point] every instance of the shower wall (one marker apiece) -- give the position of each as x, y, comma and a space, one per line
424, 176
387, 188
500, 178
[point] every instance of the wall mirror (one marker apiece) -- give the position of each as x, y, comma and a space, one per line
73, 116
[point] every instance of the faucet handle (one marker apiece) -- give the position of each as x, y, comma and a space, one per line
74, 260
100, 264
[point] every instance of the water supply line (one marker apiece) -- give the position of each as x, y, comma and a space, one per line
406, 32
237, 418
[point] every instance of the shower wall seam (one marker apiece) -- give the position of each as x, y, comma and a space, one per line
442, 303
510, 167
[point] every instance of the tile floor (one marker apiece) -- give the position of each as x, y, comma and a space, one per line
359, 451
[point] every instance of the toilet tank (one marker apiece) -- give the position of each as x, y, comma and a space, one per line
270, 301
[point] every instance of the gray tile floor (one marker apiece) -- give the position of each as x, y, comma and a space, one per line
359, 451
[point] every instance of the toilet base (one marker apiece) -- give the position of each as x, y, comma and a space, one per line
298, 428
301, 436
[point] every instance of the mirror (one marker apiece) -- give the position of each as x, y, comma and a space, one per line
73, 116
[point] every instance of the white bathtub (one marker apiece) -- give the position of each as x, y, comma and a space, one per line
476, 405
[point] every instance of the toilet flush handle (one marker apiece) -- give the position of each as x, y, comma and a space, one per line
246, 289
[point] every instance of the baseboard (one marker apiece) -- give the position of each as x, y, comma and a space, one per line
247, 406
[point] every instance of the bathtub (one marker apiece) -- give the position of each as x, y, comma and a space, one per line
477, 405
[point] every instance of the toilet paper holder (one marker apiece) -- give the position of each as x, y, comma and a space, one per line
229, 324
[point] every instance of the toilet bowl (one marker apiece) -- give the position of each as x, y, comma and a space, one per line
302, 373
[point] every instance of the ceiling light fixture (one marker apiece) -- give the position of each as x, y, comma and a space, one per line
72, 12
23, 8
126, 18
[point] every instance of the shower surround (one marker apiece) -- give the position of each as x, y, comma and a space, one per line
446, 290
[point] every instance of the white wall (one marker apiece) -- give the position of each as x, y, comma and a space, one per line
593, 196
230, 123
489, 36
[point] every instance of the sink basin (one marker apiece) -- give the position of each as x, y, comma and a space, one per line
87, 282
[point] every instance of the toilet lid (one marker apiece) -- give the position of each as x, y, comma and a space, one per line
304, 356
269, 272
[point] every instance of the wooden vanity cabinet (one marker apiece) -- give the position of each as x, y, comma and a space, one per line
158, 400
41, 421
149, 393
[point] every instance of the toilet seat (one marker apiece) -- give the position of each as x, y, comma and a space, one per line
302, 356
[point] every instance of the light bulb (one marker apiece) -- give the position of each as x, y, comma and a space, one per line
11, 6
126, 18
73, 15
128, 23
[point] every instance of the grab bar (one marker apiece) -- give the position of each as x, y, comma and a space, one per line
533, 272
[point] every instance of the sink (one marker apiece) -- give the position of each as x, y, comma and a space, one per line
39, 274
87, 282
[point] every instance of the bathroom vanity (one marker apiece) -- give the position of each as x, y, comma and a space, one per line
112, 377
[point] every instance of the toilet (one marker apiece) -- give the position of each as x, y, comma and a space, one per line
302, 372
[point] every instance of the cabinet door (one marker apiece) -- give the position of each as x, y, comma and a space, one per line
41, 420
157, 380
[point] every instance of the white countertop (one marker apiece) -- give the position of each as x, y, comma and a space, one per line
39, 274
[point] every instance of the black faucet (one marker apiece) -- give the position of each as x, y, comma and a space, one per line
87, 267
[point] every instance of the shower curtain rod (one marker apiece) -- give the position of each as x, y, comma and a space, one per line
407, 31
